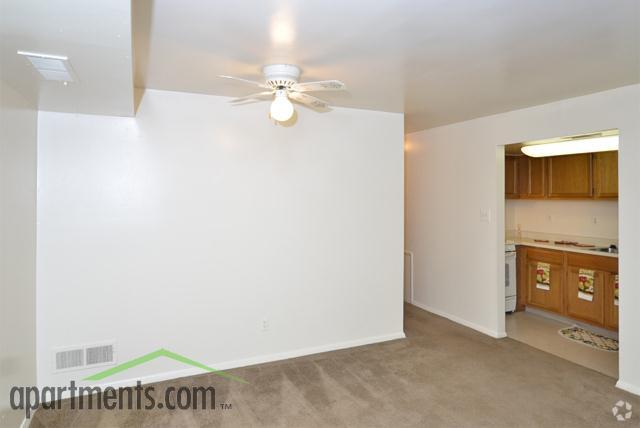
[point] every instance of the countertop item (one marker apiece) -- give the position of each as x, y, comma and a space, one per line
563, 247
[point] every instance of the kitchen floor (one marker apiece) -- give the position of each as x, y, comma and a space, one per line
542, 333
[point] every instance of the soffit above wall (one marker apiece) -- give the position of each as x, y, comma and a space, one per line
95, 36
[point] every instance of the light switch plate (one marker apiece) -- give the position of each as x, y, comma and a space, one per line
485, 215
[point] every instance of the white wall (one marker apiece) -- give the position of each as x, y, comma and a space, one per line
454, 171
18, 127
598, 219
187, 226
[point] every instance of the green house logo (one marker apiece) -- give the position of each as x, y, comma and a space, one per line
157, 354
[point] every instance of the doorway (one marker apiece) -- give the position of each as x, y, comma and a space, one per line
561, 223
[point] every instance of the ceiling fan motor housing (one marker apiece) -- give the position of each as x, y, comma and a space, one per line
281, 76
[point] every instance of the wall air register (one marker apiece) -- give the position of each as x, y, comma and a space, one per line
87, 356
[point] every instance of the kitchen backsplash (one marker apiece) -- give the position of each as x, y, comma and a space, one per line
597, 219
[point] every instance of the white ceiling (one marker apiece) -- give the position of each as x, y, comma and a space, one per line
438, 61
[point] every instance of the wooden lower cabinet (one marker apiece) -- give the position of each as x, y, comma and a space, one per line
537, 295
591, 311
563, 296
521, 277
610, 302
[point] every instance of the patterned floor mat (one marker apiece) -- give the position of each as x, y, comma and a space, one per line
589, 338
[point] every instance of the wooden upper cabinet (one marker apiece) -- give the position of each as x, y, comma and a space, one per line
510, 177
531, 177
570, 176
605, 175
580, 176
522, 167
537, 177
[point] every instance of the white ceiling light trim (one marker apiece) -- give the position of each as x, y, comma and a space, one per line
51, 67
570, 147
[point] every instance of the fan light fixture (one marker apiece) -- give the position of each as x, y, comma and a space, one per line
281, 83
281, 108
571, 147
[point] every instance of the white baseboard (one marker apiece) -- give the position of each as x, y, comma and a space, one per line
628, 387
226, 365
458, 320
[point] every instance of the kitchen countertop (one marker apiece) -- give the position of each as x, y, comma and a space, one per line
530, 242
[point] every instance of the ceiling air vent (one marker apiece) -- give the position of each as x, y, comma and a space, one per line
51, 67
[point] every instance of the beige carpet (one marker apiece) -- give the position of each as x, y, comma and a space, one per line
442, 375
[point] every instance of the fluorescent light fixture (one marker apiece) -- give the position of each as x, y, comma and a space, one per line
571, 147
51, 67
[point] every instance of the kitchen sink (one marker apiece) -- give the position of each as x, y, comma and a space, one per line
612, 249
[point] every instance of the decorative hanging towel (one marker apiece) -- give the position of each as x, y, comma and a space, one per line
615, 291
543, 279
585, 284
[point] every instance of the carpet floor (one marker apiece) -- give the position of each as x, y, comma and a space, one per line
442, 375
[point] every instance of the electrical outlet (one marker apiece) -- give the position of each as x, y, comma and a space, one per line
265, 325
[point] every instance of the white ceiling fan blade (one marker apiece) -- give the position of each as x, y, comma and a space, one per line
257, 96
251, 82
322, 85
309, 101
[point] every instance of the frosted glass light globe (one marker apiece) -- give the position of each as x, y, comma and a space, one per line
281, 108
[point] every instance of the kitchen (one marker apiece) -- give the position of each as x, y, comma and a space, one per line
561, 251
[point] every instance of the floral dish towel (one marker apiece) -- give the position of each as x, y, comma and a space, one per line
543, 279
585, 284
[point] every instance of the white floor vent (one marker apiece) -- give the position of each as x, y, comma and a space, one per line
86, 356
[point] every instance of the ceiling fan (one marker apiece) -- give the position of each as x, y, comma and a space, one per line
281, 84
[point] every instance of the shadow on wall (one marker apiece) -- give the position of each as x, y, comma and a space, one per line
141, 21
